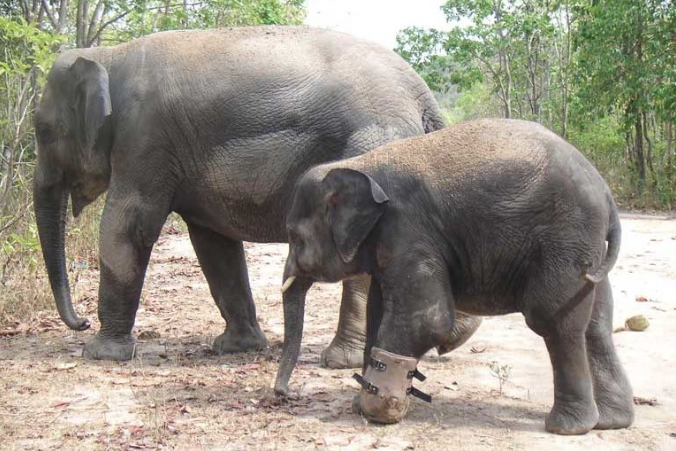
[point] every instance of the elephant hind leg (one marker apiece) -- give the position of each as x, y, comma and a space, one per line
562, 322
224, 266
612, 391
347, 347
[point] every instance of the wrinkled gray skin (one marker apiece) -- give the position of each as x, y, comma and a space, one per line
217, 126
487, 217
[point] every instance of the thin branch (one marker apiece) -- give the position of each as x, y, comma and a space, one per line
104, 25
50, 14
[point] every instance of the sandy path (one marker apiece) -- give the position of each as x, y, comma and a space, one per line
177, 395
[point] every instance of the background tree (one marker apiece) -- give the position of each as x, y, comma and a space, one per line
626, 57
601, 74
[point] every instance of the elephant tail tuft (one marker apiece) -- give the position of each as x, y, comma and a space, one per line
614, 238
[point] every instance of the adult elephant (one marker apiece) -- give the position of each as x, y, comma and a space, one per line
216, 126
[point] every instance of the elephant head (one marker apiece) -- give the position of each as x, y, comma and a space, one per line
328, 225
329, 221
73, 158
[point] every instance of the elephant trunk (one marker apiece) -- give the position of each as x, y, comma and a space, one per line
51, 204
294, 311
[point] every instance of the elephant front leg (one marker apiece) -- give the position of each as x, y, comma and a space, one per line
224, 265
128, 233
347, 348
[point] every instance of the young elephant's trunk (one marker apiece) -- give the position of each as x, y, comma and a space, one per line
294, 311
51, 206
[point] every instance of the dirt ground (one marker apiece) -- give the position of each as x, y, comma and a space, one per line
177, 395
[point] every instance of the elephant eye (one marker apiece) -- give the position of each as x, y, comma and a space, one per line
46, 135
295, 238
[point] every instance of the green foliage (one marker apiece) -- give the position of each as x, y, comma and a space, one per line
422, 48
627, 56
626, 59
472, 103
25, 57
25, 49
149, 16
602, 74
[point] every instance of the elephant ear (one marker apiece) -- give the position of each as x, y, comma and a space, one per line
356, 202
90, 100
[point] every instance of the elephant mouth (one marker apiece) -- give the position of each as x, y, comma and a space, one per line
386, 386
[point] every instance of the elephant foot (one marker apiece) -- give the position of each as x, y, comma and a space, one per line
464, 328
232, 341
615, 418
574, 418
615, 412
103, 348
341, 355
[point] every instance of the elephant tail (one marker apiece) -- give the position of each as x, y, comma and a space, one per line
614, 238
431, 116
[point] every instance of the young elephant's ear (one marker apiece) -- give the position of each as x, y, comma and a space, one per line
356, 202
90, 100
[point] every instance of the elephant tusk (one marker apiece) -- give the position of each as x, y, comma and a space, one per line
287, 283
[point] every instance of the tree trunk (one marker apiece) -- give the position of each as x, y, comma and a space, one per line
63, 16
646, 134
80, 24
638, 151
508, 86
666, 158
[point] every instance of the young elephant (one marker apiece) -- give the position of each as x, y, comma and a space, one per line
487, 217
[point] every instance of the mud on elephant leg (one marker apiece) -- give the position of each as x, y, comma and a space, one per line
126, 243
347, 348
224, 266
612, 391
464, 327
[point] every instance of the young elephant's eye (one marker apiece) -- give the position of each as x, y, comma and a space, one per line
296, 240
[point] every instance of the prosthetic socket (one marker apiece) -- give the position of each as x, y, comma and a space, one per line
386, 385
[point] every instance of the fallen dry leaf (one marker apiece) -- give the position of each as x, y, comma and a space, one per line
639, 401
9, 332
149, 335
65, 366
67, 402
